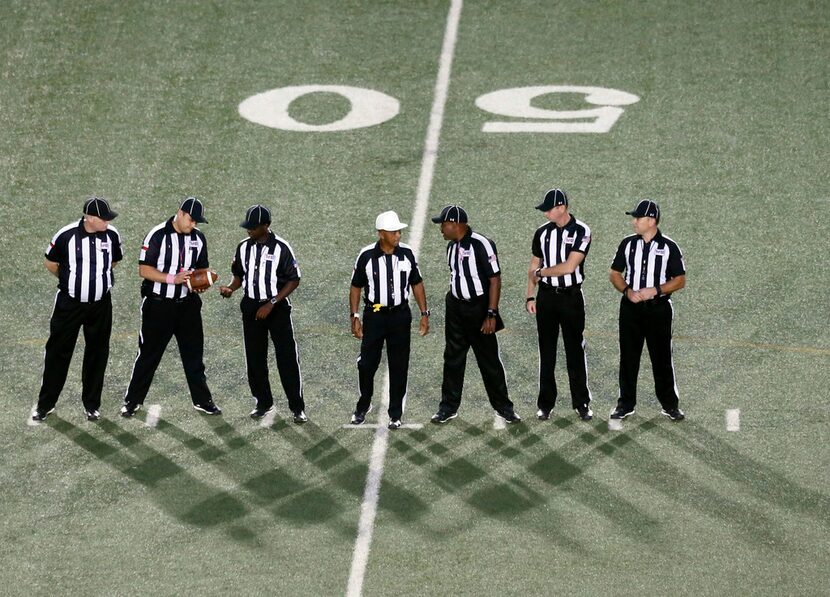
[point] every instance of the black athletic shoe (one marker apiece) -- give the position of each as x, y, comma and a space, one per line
209, 408
675, 414
300, 417
442, 416
509, 417
359, 416
128, 410
543, 414
394, 424
621, 412
38, 415
258, 412
585, 413
92, 415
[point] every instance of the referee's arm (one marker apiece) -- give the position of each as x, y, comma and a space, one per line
148, 272
354, 311
52, 266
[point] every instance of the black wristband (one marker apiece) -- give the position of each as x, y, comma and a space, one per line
659, 292
530, 298
425, 313
626, 289
492, 312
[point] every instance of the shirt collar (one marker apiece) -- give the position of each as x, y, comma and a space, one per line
466, 240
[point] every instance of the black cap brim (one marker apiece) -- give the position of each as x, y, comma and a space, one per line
437, 219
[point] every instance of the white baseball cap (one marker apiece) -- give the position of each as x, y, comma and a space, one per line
389, 221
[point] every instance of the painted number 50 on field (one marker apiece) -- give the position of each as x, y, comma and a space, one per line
369, 107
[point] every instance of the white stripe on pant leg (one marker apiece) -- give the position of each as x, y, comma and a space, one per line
140, 343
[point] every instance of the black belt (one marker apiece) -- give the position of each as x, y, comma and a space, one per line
162, 299
476, 299
560, 289
377, 308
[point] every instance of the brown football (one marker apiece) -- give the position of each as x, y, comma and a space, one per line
202, 279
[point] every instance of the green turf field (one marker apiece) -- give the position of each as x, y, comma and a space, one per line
138, 102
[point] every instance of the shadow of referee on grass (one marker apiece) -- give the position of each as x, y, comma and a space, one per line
172, 488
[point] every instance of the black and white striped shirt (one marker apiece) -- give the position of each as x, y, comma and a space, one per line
265, 267
553, 245
386, 279
171, 252
85, 260
647, 265
473, 261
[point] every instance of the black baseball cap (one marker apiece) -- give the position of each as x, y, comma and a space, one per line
195, 208
553, 198
98, 207
451, 213
646, 209
256, 215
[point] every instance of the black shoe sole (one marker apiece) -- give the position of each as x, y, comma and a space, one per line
444, 420
621, 417
129, 414
664, 413
201, 409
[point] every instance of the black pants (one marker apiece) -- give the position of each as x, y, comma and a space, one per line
462, 330
566, 310
68, 317
161, 319
392, 327
281, 329
649, 321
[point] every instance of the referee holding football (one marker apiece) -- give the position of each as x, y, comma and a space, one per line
81, 256
559, 249
385, 272
170, 252
264, 265
647, 269
472, 316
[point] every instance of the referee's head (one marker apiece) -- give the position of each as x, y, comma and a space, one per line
97, 214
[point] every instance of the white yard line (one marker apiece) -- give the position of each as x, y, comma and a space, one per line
368, 509
268, 419
733, 419
153, 415
499, 423
376, 425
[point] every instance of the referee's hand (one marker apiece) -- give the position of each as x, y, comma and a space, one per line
357, 328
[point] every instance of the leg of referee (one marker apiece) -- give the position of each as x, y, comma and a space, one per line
156, 330
287, 355
97, 331
255, 336
371, 346
64, 325
191, 339
658, 340
573, 337
547, 327
632, 336
397, 354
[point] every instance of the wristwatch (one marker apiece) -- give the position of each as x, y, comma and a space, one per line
425, 313
274, 301
356, 315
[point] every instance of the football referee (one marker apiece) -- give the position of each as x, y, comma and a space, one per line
647, 269
472, 316
264, 266
81, 256
170, 252
557, 267
385, 272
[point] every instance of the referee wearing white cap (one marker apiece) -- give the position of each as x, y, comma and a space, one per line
169, 254
472, 316
265, 267
81, 256
647, 269
557, 267
385, 272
